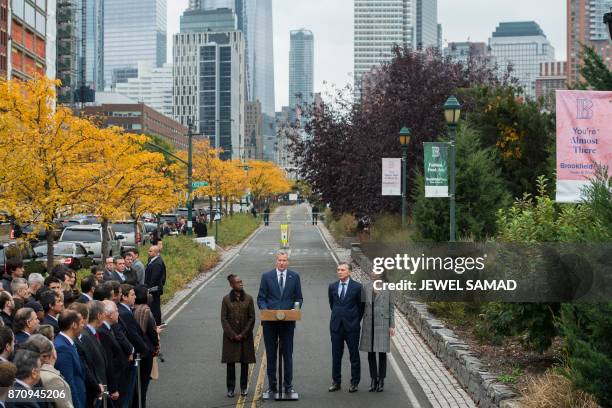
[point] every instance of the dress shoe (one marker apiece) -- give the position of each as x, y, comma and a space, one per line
381, 385
244, 392
334, 387
289, 390
272, 389
373, 385
230, 393
353, 388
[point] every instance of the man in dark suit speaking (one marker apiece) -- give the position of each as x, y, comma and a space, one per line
280, 289
347, 309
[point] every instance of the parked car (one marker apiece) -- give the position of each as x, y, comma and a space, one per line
72, 254
28, 232
20, 249
183, 213
150, 227
68, 222
91, 238
171, 219
126, 228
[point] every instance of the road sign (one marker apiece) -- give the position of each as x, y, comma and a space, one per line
198, 184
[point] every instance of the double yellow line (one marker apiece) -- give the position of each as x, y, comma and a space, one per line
260, 377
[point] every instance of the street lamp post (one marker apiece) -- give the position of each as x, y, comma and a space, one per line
452, 111
189, 179
404, 138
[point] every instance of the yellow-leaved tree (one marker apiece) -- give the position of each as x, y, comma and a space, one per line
49, 159
138, 183
265, 180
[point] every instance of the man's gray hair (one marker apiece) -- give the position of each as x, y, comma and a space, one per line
117, 258
18, 283
96, 308
40, 343
281, 252
36, 278
109, 306
348, 265
26, 361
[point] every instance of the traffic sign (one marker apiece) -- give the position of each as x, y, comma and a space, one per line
198, 184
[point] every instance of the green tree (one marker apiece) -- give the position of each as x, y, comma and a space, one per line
596, 74
520, 132
480, 191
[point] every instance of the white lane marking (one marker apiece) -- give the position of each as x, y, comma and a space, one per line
409, 393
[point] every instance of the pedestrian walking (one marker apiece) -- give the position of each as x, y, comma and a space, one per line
377, 328
266, 215
346, 307
237, 320
254, 211
315, 214
200, 227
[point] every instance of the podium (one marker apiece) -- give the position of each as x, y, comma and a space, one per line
281, 316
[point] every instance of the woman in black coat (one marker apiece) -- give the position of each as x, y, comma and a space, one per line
144, 317
237, 320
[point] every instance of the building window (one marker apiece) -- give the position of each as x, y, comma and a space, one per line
41, 23
30, 15
42, 4
18, 8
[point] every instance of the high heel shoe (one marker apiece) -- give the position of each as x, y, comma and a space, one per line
373, 385
381, 385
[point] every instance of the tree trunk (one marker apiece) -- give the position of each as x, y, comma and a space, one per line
105, 247
210, 209
136, 243
50, 248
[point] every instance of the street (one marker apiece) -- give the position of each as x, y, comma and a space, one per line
193, 376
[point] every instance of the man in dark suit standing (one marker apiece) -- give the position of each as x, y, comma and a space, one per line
28, 375
53, 305
347, 309
155, 277
134, 333
280, 289
68, 361
88, 285
116, 359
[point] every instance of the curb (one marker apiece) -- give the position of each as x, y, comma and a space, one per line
480, 384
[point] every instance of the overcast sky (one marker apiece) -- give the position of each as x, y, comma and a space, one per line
331, 22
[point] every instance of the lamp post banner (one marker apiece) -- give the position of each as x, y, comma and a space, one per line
391, 177
436, 169
583, 140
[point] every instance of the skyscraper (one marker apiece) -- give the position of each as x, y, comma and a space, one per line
209, 87
66, 57
426, 24
379, 25
523, 46
301, 68
134, 30
585, 26
90, 47
254, 19
260, 55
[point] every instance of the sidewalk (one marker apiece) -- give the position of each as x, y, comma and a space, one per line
439, 385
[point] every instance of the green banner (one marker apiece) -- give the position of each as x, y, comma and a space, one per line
436, 169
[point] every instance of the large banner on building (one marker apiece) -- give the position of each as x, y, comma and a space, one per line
391, 177
436, 169
584, 138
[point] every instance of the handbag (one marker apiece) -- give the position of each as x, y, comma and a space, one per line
155, 369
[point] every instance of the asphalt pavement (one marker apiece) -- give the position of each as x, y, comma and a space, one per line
192, 374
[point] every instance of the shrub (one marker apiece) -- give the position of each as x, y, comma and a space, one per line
554, 390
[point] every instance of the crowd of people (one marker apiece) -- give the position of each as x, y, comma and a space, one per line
81, 347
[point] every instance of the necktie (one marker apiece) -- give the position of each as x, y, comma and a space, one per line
98, 336
343, 293
282, 282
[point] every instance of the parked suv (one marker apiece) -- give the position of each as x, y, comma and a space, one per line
20, 249
91, 238
126, 228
